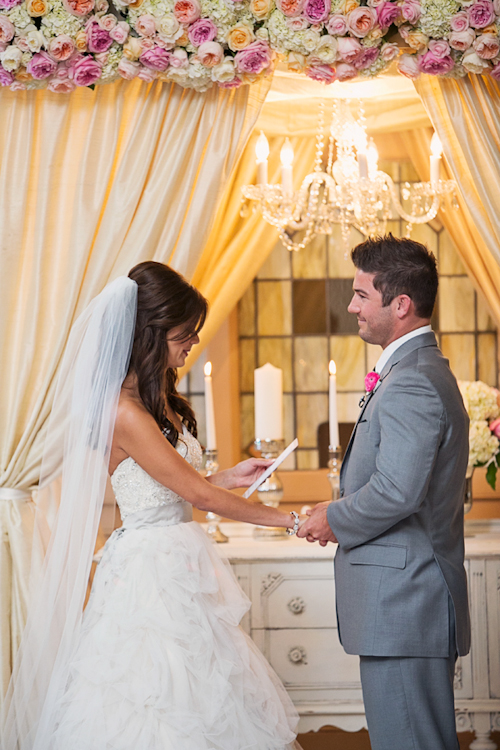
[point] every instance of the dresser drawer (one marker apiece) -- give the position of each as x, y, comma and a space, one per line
309, 658
295, 595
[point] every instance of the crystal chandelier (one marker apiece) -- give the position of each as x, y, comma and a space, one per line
350, 190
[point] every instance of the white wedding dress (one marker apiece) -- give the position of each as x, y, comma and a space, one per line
161, 662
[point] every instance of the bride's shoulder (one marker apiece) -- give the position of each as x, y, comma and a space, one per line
131, 414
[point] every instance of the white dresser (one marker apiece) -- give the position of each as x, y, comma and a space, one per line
292, 620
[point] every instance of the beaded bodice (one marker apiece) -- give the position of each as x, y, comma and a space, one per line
135, 490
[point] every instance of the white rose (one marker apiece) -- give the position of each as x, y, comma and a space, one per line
11, 58
473, 63
169, 28
327, 49
310, 39
224, 71
34, 39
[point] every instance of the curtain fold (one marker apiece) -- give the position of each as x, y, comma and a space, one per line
90, 184
466, 115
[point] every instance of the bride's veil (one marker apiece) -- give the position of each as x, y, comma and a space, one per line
79, 437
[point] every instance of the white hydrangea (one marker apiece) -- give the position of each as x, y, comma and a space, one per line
221, 12
109, 70
436, 15
379, 66
59, 21
156, 8
480, 400
20, 17
283, 39
483, 445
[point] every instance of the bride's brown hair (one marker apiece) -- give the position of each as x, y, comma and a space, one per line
165, 300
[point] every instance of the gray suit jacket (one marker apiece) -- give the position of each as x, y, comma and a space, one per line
400, 520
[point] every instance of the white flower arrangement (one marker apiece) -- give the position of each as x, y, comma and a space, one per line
69, 43
482, 403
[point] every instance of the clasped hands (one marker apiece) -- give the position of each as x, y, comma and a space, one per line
316, 528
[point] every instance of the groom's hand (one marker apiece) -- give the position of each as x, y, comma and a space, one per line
317, 528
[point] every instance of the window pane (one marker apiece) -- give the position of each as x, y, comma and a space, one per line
309, 306
340, 295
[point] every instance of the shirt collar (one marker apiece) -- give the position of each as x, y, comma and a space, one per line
394, 345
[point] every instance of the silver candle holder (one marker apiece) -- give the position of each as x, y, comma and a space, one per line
334, 464
270, 492
213, 529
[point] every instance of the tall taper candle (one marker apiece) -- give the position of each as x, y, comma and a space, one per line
209, 409
333, 417
268, 382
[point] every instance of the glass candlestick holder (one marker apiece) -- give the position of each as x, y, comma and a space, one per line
213, 520
270, 491
334, 463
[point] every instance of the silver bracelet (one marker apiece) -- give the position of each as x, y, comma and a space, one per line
295, 528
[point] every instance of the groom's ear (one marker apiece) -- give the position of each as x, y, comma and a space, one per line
403, 306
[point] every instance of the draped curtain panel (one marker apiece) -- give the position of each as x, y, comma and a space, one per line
90, 184
466, 115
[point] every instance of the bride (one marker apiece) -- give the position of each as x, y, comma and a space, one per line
158, 660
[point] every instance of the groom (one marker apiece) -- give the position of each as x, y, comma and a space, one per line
400, 581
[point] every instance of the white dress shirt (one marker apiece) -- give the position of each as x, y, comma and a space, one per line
389, 350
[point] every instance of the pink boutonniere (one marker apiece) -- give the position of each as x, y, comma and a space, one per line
371, 381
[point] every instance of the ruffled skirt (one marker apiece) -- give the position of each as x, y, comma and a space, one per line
162, 663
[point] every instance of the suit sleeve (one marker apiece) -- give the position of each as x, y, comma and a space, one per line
412, 423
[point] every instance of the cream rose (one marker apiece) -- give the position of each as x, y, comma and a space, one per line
240, 37
224, 71
417, 39
326, 51
37, 8
473, 63
81, 41
11, 58
261, 8
296, 62
34, 39
310, 40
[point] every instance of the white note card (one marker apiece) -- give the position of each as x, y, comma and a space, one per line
271, 468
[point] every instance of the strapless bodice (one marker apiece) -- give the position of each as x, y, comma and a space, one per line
136, 491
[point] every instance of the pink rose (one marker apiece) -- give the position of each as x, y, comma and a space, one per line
145, 25
496, 6
41, 66
147, 43
179, 58
371, 381
389, 51
297, 23
120, 32
345, 71
321, 72
435, 66
187, 11
439, 47
495, 72
408, 66
78, 7
411, 10
61, 47
461, 40
289, 8
348, 48
7, 30
253, 59
210, 54
6, 78
387, 14
361, 21
235, 83
22, 43
156, 59
495, 425
317, 11
61, 85
8, 4
460, 21
84, 70
147, 74
337, 25
128, 69
487, 46
18, 86
98, 40
203, 30
366, 58
107, 22
481, 14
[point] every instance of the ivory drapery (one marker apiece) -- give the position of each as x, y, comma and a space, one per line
90, 184
481, 266
466, 115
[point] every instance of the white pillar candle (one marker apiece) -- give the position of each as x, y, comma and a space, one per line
333, 416
262, 153
209, 409
362, 165
268, 381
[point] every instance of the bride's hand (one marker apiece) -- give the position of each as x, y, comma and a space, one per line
243, 474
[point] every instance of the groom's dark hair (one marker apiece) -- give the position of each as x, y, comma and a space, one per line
401, 266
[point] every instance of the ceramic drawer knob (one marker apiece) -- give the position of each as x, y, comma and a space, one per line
297, 655
296, 605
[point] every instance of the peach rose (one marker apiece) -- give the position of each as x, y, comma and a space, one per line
187, 11
290, 8
37, 8
417, 39
261, 8
461, 40
61, 85
132, 49
79, 7
61, 47
240, 37
81, 41
361, 21
210, 54
182, 40
408, 66
128, 69
135, 4
348, 6
487, 46
107, 22
146, 25
296, 62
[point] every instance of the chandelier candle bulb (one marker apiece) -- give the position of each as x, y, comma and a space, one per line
333, 415
262, 154
286, 156
209, 408
363, 165
435, 165
268, 387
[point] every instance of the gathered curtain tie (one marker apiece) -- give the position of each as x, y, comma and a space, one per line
10, 493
